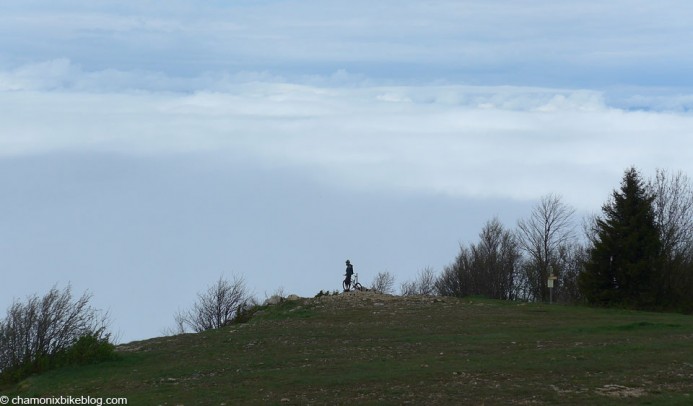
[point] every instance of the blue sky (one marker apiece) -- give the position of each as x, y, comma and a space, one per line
146, 148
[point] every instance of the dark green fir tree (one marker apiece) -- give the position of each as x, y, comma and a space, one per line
624, 262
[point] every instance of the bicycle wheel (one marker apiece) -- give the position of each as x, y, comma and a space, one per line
346, 286
358, 286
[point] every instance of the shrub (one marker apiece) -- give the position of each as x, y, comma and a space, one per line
51, 331
384, 282
215, 308
424, 284
89, 349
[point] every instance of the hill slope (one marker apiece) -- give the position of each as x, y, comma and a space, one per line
369, 348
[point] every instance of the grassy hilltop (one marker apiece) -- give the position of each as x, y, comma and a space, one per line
367, 348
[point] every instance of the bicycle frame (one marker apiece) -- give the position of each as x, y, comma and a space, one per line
354, 283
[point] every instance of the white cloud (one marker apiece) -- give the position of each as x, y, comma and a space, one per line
39, 76
460, 140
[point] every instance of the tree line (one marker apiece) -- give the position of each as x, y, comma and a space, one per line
637, 253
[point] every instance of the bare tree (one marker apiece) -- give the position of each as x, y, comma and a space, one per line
487, 268
424, 284
451, 281
426, 281
497, 255
408, 288
541, 236
384, 282
216, 307
42, 327
590, 228
673, 207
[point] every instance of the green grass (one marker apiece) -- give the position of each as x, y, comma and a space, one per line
368, 349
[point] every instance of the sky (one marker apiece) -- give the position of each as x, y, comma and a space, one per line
148, 148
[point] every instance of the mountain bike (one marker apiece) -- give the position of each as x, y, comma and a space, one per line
353, 284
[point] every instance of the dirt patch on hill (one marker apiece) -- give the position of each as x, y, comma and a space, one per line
375, 299
619, 391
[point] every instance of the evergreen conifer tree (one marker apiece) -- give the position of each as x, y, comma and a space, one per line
623, 267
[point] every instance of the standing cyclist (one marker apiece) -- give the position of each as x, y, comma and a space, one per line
349, 272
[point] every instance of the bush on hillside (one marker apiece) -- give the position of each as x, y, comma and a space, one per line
49, 332
384, 282
217, 307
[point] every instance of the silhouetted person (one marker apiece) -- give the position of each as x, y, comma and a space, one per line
349, 272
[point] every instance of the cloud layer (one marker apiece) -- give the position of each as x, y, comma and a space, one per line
502, 141
538, 43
